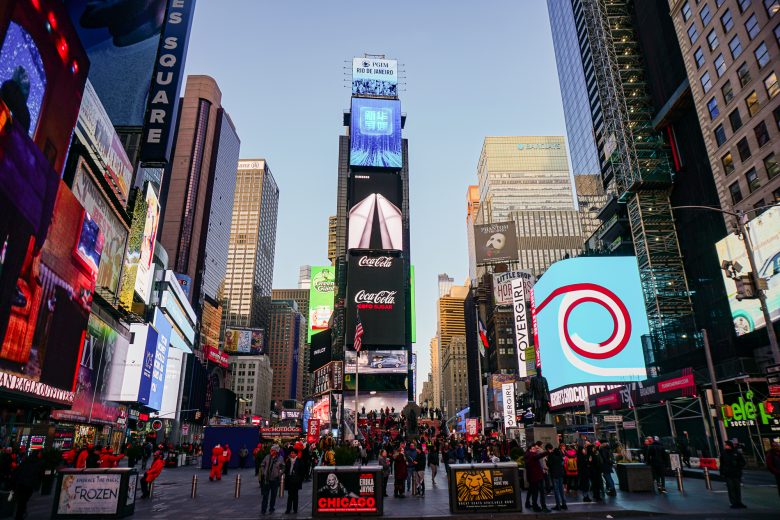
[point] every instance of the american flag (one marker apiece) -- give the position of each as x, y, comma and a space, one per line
358, 333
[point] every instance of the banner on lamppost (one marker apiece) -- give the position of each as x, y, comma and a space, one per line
510, 416
521, 325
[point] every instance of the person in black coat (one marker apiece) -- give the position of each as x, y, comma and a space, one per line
27, 479
595, 471
557, 470
583, 472
656, 458
731, 465
293, 478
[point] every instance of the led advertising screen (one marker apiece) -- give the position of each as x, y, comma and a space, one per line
374, 77
133, 253
375, 216
347, 491
495, 242
377, 362
588, 319
90, 244
323, 281
376, 290
95, 129
764, 232
143, 277
114, 230
243, 341
321, 350
375, 133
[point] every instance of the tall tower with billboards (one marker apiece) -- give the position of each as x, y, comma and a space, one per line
373, 286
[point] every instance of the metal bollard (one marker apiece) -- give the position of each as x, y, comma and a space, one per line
707, 481
237, 493
680, 486
194, 488
151, 490
281, 486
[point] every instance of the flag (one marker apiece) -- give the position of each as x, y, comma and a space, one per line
483, 344
358, 333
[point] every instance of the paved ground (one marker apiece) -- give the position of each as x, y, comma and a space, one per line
172, 500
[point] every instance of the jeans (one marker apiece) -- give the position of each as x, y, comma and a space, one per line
608, 479
269, 488
560, 498
734, 488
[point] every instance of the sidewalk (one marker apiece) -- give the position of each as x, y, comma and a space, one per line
172, 500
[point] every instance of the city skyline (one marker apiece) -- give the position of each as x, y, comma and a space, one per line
265, 110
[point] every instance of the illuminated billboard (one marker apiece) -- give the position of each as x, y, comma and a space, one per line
376, 290
375, 216
243, 341
138, 271
375, 133
374, 77
764, 232
323, 281
143, 278
495, 242
377, 362
588, 318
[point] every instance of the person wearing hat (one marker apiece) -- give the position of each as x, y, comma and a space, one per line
271, 471
732, 462
152, 474
293, 477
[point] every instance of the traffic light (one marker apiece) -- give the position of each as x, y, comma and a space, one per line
746, 289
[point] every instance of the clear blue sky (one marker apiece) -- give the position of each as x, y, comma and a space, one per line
473, 69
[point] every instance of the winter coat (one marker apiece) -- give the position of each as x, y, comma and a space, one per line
293, 474
533, 465
271, 469
384, 462
154, 470
81, 460
419, 462
399, 467
27, 475
732, 463
433, 457
656, 455
555, 464
607, 458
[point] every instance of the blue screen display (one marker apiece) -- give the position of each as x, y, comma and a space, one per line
144, 387
164, 330
375, 133
589, 317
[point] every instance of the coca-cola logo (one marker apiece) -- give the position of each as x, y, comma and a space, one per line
379, 261
380, 297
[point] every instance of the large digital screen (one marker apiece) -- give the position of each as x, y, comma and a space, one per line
374, 77
243, 341
375, 215
164, 330
133, 252
323, 281
376, 290
495, 242
377, 362
375, 133
143, 278
764, 232
589, 318
320, 350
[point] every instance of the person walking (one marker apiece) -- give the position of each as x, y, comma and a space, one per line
433, 461
607, 463
596, 471
535, 475
685, 448
216, 463
656, 458
419, 468
154, 471
773, 462
148, 450
556, 467
384, 463
401, 470
271, 471
243, 453
293, 479
732, 462
411, 474
583, 473
26, 479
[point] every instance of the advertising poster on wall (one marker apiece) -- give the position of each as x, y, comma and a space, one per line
377, 362
376, 291
476, 489
589, 319
143, 278
243, 341
375, 133
133, 253
321, 350
96, 131
114, 230
147, 363
323, 282
352, 491
502, 285
520, 318
375, 217
495, 242
89, 494
374, 77
164, 329
764, 231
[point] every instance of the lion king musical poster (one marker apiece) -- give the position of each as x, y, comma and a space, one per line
485, 488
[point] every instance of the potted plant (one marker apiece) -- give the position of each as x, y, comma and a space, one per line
51, 459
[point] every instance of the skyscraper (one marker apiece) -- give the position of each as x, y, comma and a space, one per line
445, 284
251, 380
472, 208
301, 298
332, 243
286, 337
198, 191
250, 264
304, 277
436, 371
451, 336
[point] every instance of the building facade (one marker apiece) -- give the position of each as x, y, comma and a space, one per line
251, 380
286, 337
452, 352
301, 298
435, 372
332, 247
250, 263
472, 209
730, 49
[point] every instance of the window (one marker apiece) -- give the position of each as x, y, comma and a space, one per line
712, 106
727, 21
744, 74
743, 5
719, 3
736, 194
686, 12
720, 135
736, 47
712, 40
752, 27
735, 119
706, 84
728, 92
776, 113
744, 149
771, 6
752, 103
770, 84
762, 134
777, 33
728, 163
752, 180
776, 195
762, 55
693, 34
771, 166
699, 57
720, 65
705, 15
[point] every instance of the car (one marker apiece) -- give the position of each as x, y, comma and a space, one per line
385, 361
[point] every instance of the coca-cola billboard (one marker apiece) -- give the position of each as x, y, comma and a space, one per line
376, 289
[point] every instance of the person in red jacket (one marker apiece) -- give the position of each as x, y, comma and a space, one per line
535, 474
226, 454
152, 473
108, 459
216, 463
81, 460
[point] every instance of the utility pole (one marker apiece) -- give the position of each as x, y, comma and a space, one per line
715, 391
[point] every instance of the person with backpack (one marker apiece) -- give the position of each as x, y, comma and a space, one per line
607, 463
572, 480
